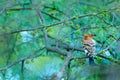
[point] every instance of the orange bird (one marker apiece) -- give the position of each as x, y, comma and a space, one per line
89, 47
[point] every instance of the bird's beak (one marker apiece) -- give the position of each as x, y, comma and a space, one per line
94, 34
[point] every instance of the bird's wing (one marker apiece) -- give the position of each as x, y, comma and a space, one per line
90, 48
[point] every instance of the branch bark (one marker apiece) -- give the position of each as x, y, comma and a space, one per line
61, 72
20, 60
57, 23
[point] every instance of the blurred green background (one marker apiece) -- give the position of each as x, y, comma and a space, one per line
24, 54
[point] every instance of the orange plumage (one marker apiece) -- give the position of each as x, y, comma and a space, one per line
89, 47
89, 44
88, 39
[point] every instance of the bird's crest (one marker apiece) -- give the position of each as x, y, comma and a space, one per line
86, 36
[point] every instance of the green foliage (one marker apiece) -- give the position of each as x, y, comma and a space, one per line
21, 35
42, 67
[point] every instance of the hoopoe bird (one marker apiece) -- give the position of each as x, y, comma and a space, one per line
89, 47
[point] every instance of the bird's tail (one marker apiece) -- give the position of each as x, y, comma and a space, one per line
91, 60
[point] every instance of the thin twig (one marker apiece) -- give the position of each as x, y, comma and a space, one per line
20, 60
63, 21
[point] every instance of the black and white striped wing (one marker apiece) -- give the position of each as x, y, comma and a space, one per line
89, 49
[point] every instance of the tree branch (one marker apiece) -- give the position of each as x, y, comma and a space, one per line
60, 22
110, 59
61, 72
20, 60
